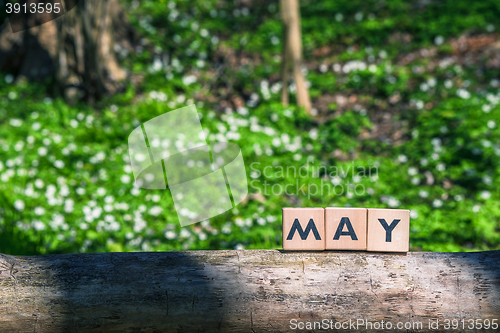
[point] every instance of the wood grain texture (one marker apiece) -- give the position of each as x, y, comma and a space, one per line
241, 291
357, 219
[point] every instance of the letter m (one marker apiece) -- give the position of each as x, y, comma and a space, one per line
303, 233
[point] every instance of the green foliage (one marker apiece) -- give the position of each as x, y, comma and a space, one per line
66, 185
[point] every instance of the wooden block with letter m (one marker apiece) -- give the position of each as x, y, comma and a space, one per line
304, 229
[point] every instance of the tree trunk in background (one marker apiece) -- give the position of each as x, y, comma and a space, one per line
79, 48
292, 54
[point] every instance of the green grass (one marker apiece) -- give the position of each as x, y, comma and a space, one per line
428, 126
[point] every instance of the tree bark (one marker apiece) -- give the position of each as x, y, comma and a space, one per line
292, 54
78, 49
243, 291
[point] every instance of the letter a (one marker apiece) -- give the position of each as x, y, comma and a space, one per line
350, 231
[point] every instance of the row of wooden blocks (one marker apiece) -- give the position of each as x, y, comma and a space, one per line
369, 229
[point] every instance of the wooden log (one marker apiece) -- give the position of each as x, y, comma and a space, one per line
244, 291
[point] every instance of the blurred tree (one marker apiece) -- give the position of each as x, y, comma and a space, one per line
292, 54
79, 48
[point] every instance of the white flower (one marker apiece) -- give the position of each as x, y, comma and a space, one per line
226, 229
42, 151
109, 218
354, 65
39, 183
101, 191
188, 79
402, 158
439, 40
19, 146
313, 133
69, 205
436, 142
155, 210
39, 210
38, 225
239, 222
462, 93
57, 221
393, 202
15, 122
59, 164
139, 224
9, 78
437, 203
242, 111
423, 194
125, 179
412, 171
170, 234
485, 195
112, 226
19, 205
139, 157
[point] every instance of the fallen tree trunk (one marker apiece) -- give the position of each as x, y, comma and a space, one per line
250, 290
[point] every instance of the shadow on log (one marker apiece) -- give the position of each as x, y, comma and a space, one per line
243, 291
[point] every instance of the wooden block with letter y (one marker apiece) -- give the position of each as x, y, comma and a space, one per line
388, 230
345, 228
303, 229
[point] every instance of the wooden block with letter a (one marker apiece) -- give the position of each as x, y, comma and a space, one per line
303, 229
345, 228
388, 230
